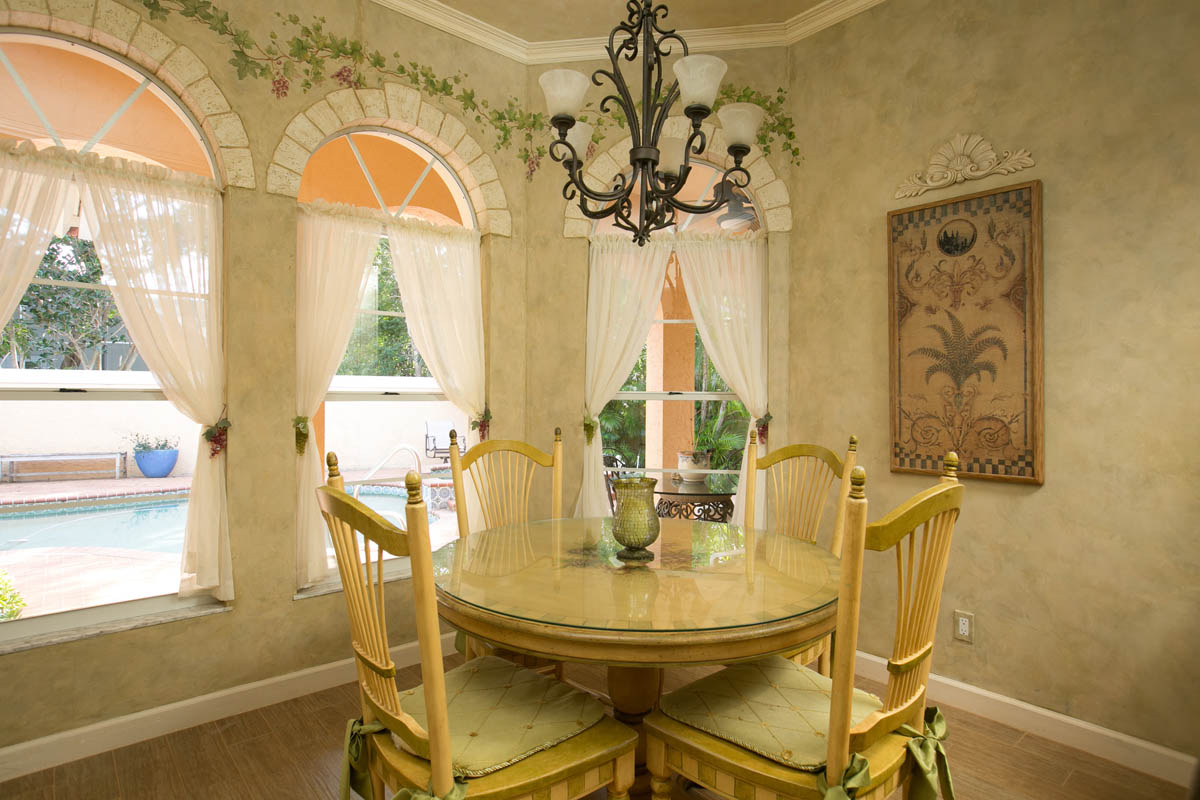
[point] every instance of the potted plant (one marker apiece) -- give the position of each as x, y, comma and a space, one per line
155, 455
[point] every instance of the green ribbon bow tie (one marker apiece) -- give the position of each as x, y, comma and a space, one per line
457, 793
929, 756
354, 760
856, 776
355, 774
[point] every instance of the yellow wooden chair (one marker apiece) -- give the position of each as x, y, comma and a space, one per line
773, 728
504, 730
501, 471
800, 477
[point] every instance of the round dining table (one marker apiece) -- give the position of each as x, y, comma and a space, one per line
714, 593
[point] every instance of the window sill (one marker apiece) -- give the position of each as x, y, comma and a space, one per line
396, 569
84, 623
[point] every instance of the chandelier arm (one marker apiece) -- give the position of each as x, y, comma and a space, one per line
722, 192
664, 110
622, 97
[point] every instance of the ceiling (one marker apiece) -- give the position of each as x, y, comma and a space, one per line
549, 20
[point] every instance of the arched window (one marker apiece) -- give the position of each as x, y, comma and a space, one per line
384, 413
674, 400
75, 395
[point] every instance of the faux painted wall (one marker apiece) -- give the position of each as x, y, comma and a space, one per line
1084, 590
267, 632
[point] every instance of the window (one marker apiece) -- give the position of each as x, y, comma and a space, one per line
384, 413
674, 399
79, 525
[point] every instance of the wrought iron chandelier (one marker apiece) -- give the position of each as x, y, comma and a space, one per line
658, 165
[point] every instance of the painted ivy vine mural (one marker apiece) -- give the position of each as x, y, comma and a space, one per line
306, 54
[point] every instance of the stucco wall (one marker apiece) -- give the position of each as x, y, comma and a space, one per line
1084, 590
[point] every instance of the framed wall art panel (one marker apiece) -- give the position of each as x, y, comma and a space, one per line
965, 314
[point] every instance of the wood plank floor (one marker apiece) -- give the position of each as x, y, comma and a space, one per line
293, 750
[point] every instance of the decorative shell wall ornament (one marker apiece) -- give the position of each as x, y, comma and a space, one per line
966, 157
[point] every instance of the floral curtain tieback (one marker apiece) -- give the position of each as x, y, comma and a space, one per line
762, 426
929, 758
856, 776
589, 427
217, 436
481, 423
300, 426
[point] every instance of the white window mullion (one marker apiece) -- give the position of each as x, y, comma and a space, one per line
29, 98
107, 126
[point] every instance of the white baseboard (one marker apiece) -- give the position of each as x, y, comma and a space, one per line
1120, 748
59, 748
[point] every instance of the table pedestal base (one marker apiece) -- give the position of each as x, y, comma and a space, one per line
634, 692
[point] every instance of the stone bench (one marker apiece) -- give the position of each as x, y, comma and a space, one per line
61, 466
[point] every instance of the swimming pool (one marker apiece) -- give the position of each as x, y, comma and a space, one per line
150, 525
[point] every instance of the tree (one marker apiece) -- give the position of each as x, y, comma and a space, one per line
66, 327
382, 345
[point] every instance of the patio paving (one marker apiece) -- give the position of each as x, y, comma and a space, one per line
52, 579
92, 489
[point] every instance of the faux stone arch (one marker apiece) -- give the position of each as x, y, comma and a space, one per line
403, 109
113, 27
770, 191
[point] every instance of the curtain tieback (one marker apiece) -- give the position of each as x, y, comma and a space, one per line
300, 426
589, 427
856, 776
356, 775
929, 756
217, 436
482, 423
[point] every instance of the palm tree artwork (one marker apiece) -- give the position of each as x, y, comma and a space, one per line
961, 359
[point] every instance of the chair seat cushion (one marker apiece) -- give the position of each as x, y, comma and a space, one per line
501, 713
773, 707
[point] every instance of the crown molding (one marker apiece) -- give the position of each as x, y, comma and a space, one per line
708, 40
464, 26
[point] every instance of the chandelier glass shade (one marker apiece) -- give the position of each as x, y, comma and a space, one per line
658, 165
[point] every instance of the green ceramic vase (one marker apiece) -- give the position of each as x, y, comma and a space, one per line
635, 523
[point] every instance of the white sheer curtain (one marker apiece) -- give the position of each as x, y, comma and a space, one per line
335, 246
438, 271
624, 286
159, 236
725, 280
33, 191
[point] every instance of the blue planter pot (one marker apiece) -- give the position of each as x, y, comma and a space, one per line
156, 463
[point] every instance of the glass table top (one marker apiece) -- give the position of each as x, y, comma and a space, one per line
705, 576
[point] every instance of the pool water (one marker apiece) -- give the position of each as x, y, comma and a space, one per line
150, 525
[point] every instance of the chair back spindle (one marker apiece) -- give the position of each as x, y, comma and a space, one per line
360, 538
501, 473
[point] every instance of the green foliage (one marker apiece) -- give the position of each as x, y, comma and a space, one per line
61, 327
959, 357
145, 443
382, 345
307, 51
719, 426
11, 602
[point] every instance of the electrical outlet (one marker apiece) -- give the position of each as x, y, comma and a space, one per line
964, 626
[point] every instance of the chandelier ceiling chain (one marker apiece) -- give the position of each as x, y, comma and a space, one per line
658, 166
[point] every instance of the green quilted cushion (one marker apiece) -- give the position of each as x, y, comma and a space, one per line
500, 713
773, 707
